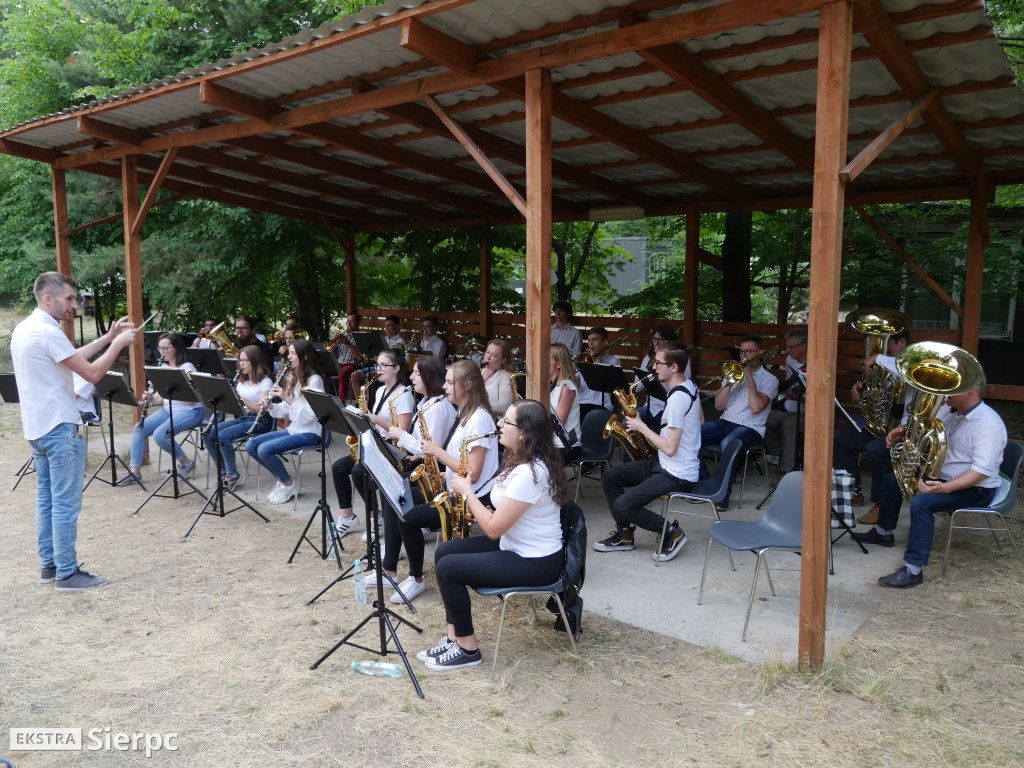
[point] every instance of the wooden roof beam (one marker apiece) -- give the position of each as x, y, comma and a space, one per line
28, 151
107, 131
436, 46
874, 23
154, 189
236, 102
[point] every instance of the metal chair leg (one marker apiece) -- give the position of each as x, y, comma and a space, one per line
753, 590
704, 573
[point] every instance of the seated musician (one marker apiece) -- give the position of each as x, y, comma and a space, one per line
465, 389
522, 541
652, 408
393, 392
597, 339
245, 334
781, 429
849, 443
282, 350
675, 468
430, 341
565, 403
969, 477
186, 415
392, 338
562, 330
303, 429
349, 356
292, 323
745, 408
200, 343
253, 386
496, 370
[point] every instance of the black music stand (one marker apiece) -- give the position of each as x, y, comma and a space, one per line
218, 394
603, 378
208, 361
380, 471
328, 414
329, 367
9, 392
113, 387
370, 344
172, 384
653, 387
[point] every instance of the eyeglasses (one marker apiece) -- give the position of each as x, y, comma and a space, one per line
794, 346
165, 349
386, 365
748, 351
504, 420
659, 363
656, 339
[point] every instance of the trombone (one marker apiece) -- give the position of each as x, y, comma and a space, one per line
734, 372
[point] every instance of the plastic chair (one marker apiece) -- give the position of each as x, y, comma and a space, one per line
574, 531
1013, 455
297, 453
594, 447
758, 451
710, 490
779, 528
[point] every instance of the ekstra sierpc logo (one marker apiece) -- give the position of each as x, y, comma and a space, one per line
94, 740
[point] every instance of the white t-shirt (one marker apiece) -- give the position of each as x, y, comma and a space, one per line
571, 337
394, 341
438, 413
793, 367
682, 412
655, 406
737, 408
302, 418
480, 423
45, 386
499, 392
435, 345
573, 422
253, 392
587, 396
538, 532
181, 405
404, 402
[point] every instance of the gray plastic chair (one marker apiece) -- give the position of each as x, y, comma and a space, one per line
594, 447
780, 528
1013, 455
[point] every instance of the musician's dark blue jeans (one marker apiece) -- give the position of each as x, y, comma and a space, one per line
718, 433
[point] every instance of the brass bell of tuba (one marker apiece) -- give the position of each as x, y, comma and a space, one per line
223, 338
883, 393
934, 371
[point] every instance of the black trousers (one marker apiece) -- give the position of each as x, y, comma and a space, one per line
646, 482
479, 562
416, 519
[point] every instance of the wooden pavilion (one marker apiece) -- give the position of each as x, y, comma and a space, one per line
426, 113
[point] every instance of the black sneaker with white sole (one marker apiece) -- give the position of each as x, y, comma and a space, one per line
47, 574
619, 541
80, 580
674, 540
437, 651
454, 658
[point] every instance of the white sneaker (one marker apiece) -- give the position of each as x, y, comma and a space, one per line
772, 459
371, 581
410, 588
380, 527
286, 493
345, 524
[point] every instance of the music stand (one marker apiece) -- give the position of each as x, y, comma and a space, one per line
381, 472
113, 387
370, 344
603, 378
654, 388
329, 367
9, 392
218, 394
172, 384
208, 361
328, 414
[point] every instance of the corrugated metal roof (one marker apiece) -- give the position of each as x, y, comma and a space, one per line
620, 102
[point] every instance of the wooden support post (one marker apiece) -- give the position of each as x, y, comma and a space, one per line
350, 273
133, 268
834, 46
60, 225
977, 238
691, 277
538, 233
486, 324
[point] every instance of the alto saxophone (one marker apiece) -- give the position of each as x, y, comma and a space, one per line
635, 444
428, 475
392, 413
512, 382
456, 519
364, 407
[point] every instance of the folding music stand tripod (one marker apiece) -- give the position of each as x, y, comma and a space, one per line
219, 395
113, 387
172, 384
382, 474
9, 392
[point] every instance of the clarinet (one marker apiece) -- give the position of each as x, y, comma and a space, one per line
147, 401
266, 403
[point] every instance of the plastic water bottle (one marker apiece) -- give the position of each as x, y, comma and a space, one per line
378, 668
359, 583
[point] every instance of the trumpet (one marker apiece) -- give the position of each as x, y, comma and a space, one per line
285, 370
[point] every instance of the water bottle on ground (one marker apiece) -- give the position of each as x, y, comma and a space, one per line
359, 583
378, 668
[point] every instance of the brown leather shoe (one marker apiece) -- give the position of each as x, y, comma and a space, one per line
858, 500
870, 517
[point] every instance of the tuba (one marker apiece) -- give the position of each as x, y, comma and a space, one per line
456, 519
934, 371
883, 393
636, 445
364, 407
223, 338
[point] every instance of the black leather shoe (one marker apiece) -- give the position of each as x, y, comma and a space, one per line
872, 536
901, 579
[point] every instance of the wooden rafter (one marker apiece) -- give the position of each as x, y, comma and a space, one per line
107, 131
154, 189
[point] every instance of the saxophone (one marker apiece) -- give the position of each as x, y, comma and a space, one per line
428, 475
391, 410
364, 407
512, 382
456, 519
636, 445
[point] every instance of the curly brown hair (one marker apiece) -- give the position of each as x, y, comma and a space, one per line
538, 444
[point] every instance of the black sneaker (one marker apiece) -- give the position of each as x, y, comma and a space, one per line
619, 541
437, 651
674, 540
80, 580
48, 574
454, 658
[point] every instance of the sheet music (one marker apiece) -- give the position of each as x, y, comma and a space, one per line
392, 484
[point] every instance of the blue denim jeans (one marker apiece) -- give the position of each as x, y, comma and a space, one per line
718, 433
923, 509
158, 425
230, 431
59, 459
266, 447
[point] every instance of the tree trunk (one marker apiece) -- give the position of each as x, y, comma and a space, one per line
736, 267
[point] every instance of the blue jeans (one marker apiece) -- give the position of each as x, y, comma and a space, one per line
158, 425
923, 509
266, 447
718, 433
59, 459
230, 431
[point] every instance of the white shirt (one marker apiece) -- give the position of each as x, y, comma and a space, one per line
438, 413
682, 412
654, 405
45, 386
499, 392
975, 440
538, 532
480, 423
889, 363
435, 345
302, 418
571, 337
737, 408
573, 422
793, 367
404, 402
84, 391
587, 396
182, 405
253, 392
394, 341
